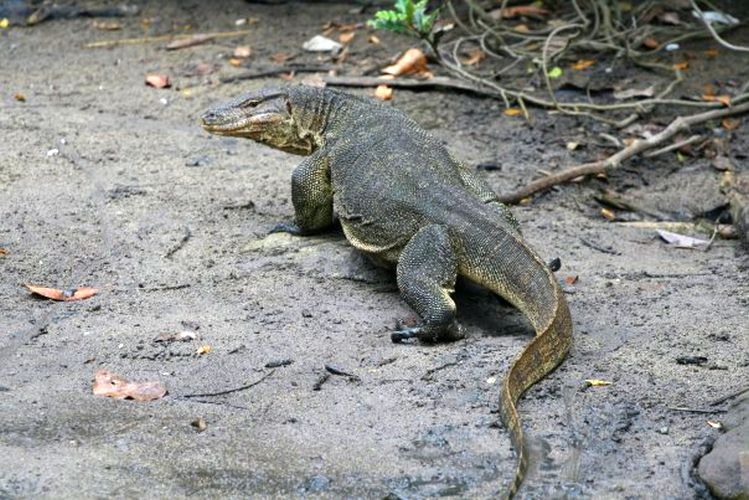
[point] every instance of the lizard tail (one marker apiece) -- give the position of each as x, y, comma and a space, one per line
539, 358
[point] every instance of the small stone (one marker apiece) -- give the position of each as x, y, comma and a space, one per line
663, 430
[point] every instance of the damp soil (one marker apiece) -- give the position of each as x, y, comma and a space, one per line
108, 183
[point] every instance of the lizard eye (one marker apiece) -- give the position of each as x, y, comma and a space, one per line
250, 104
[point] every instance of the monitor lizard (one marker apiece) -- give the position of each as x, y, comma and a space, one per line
404, 200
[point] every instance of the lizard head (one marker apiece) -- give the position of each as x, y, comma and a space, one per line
267, 116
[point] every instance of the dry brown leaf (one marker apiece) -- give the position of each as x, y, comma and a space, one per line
594, 382
582, 64
651, 43
346, 37
725, 100
63, 295
236, 62
281, 57
242, 52
475, 56
287, 77
112, 385
681, 66
374, 39
513, 112
383, 92
158, 81
182, 43
3, 251
19, 97
570, 280
522, 28
711, 53
204, 349
107, 25
608, 214
412, 61
730, 123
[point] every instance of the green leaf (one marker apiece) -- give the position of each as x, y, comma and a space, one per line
555, 72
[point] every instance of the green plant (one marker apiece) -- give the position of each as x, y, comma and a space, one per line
408, 17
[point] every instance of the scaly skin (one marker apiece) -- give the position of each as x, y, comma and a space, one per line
402, 199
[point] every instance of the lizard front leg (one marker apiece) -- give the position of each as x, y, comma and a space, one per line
312, 196
427, 269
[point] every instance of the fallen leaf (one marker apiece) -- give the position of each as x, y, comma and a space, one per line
517, 11
722, 164
235, 61
630, 93
608, 214
281, 57
680, 240
204, 349
314, 81
183, 336
522, 28
513, 112
242, 52
582, 64
3, 251
319, 43
191, 41
594, 382
112, 385
412, 61
383, 92
730, 123
158, 81
107, 25
650, 43
373, 39
19, 97
671, 18
681, 66
475, 56
711, 53
725, 100
555, 72
570, 280
346, 37
63, 295
286, 76
199, 424
714, 424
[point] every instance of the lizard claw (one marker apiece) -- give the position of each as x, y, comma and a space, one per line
286, 227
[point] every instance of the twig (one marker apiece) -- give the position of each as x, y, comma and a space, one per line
676, 145
714, 33
729, 396
371, 81
185, 238
162, 38
694, 410
320, 381
229, 391
251, 75
597, 167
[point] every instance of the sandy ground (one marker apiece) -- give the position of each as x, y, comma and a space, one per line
170, 223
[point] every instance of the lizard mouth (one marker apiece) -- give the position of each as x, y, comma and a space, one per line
230, 125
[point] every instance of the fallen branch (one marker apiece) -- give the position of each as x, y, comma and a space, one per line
406, 83
679, 124
162, 38
252, 75
228, 391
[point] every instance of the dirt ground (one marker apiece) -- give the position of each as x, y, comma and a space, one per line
106, 182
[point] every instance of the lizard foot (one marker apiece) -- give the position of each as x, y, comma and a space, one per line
431, 334
287, 227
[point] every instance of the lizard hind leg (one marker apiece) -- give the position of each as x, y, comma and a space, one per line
426, 273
